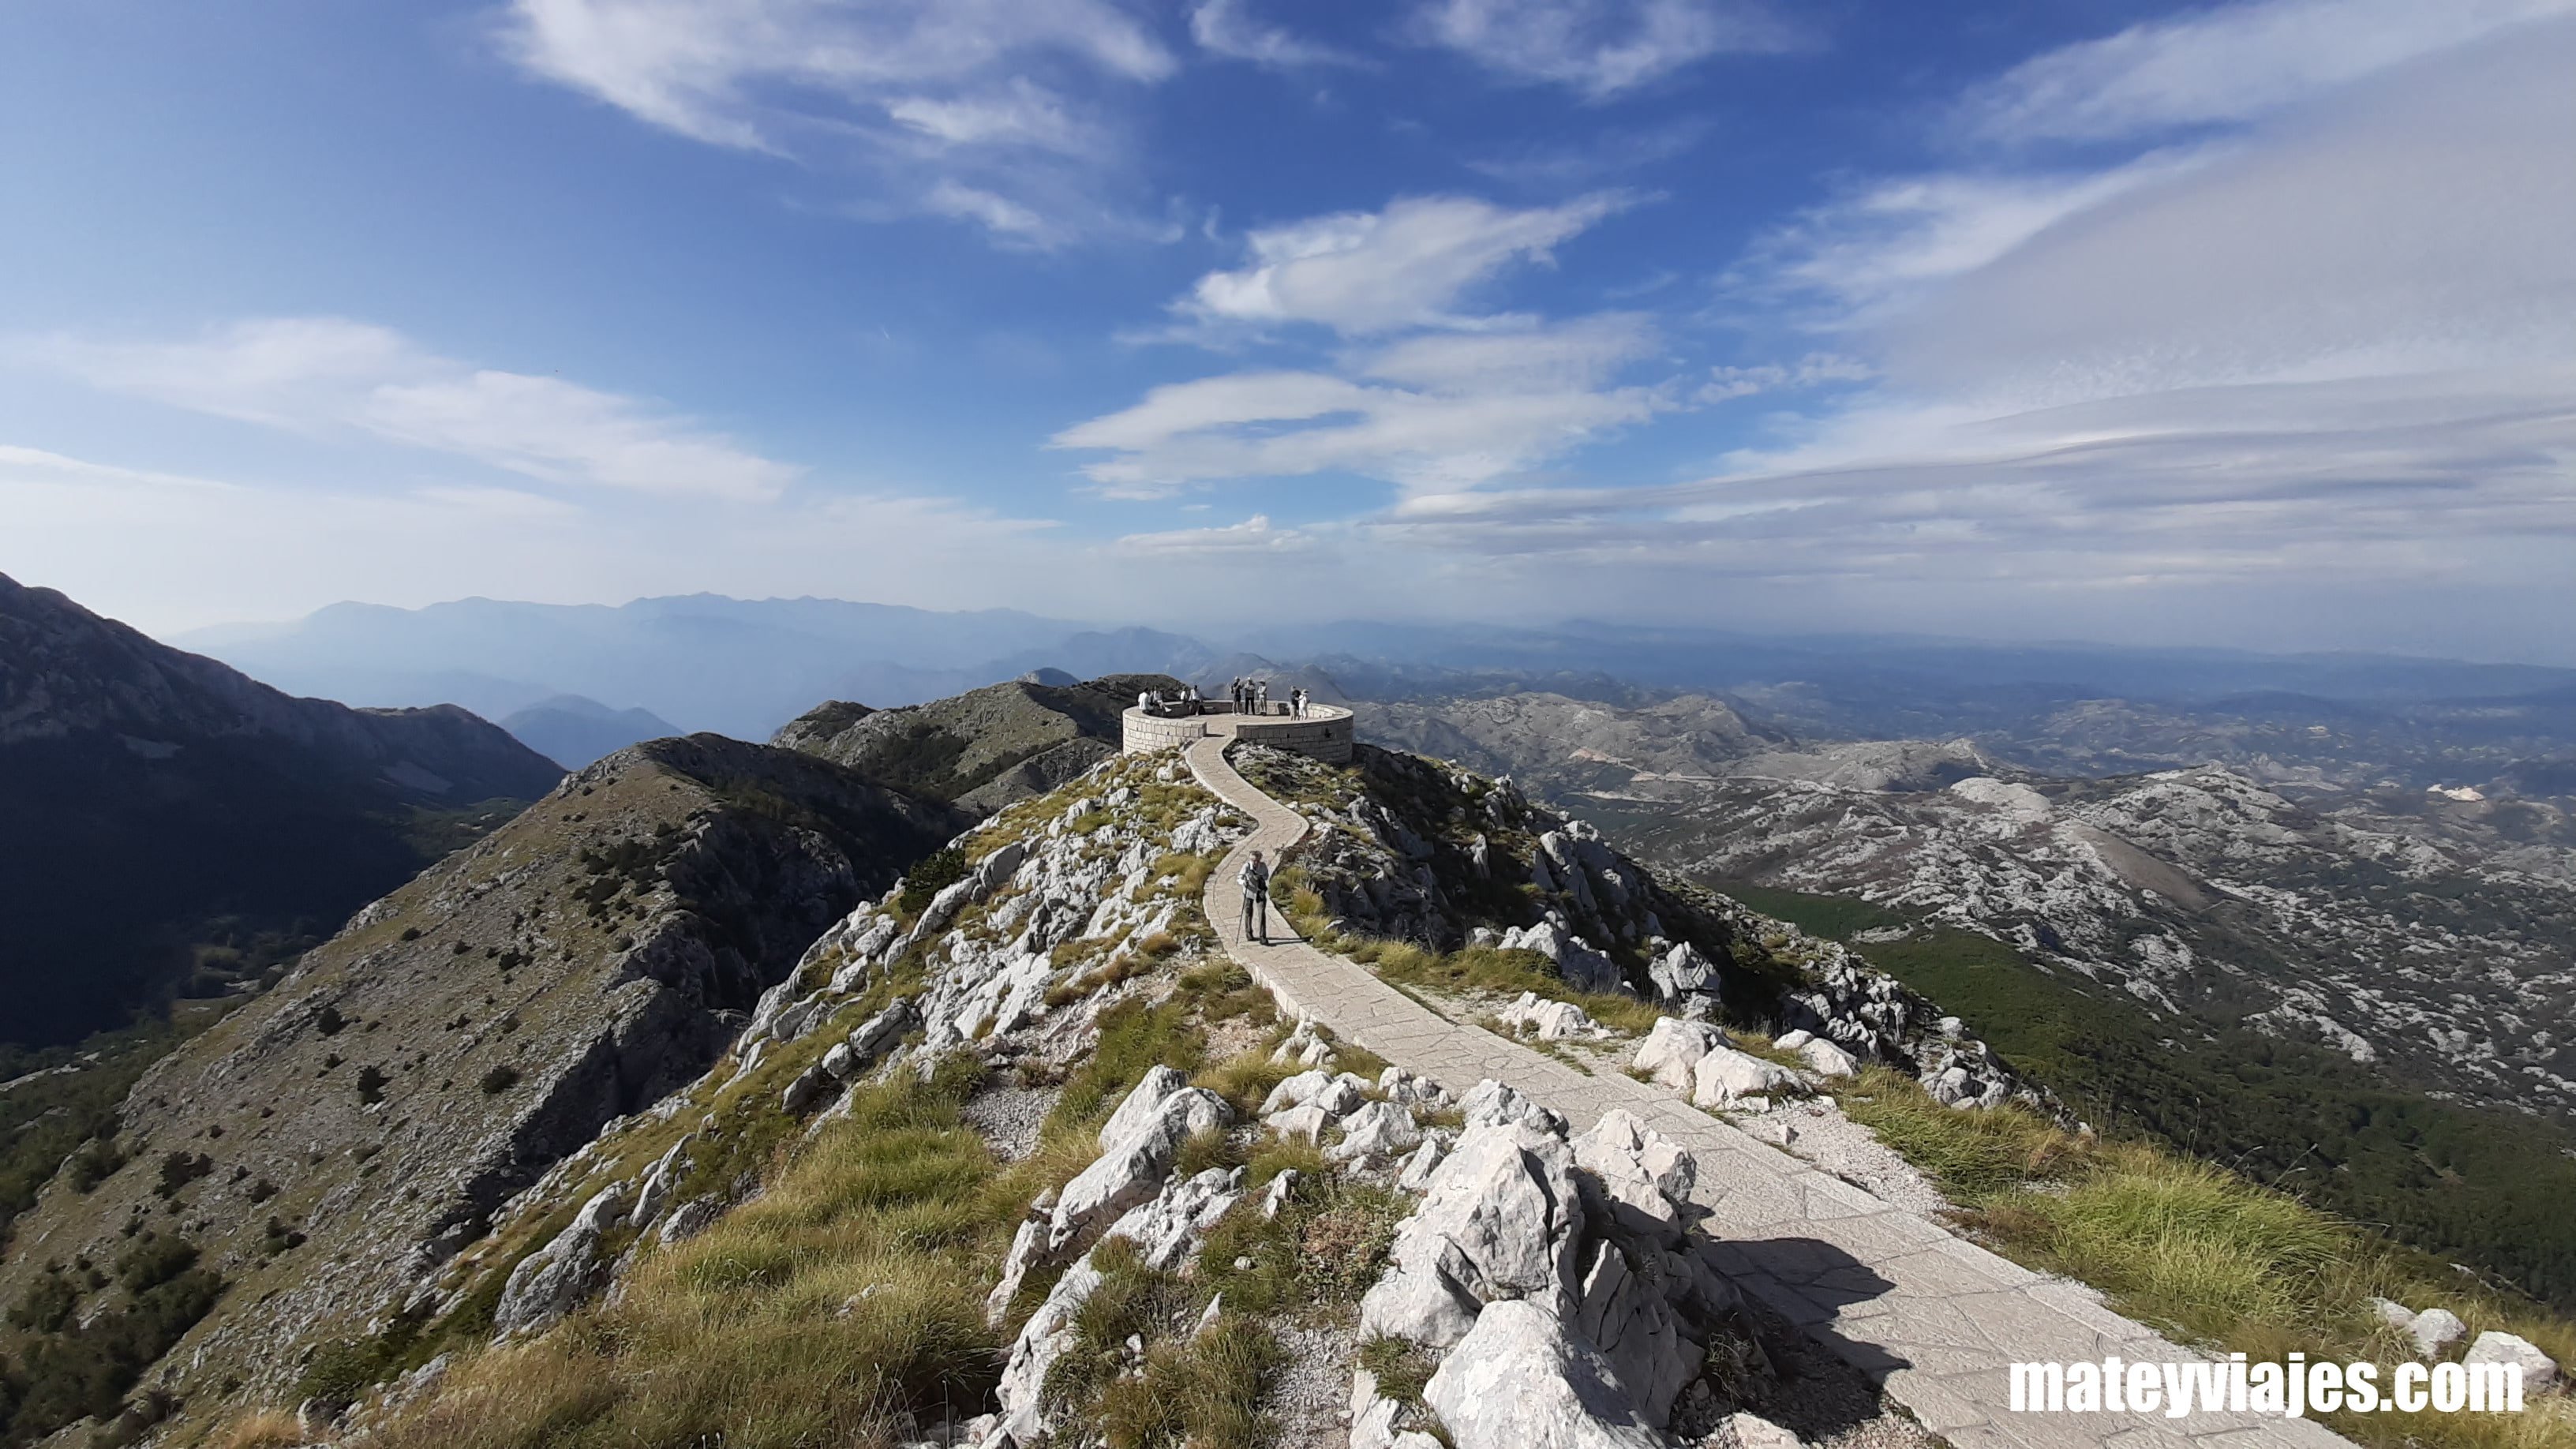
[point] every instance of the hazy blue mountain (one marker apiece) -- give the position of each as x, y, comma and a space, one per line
573, 731
703, 662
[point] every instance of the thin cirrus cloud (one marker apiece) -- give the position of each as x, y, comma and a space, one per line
326, 374
1600, 49
1003, 113
1428, 413
2233, 64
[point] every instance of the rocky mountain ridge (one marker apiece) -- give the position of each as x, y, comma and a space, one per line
321, 1150
985, 748
173, 826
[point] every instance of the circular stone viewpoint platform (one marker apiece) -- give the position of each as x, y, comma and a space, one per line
1324, 734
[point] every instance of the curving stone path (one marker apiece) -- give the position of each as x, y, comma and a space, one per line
1933, 1319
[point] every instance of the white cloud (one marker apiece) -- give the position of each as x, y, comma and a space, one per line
1813, 370
2230, 64
323, 374
1891, 240
1254, 535
1409, 265
1599, 47
1429, 413
967, 97
2311, 383
1230, 29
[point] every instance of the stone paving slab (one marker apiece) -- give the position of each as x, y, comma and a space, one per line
1935, 1320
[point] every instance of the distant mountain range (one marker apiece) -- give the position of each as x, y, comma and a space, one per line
746, 667
701, 662
174, 827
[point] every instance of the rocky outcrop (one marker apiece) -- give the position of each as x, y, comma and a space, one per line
562, 1275
1583, 1245
1522, 1377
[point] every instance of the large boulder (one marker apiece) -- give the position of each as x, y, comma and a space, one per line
1726, 1076
1521, 1380
1673, 1049
2540, 1372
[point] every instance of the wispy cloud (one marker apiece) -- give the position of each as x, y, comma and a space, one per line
999, 101
1600, 48
2234, 63
1230, 29
1253, 536
1371, 272
324, 374
1441, 411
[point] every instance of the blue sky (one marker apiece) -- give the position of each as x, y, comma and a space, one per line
2249, 324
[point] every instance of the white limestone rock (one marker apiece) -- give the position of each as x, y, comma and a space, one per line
1673, 1048
1489, 1103
1520, 1380
1827, 1059
1681, 973
1279, 1193
1724, 1076
1340, 1097
1376, 1130
1167, 1228
1502, 1219
1635, 1179
1752, 1431
660, 1180
1418, 1168
1552, 1020
1627, 1318
1138, 1147
1043, 1340
2540, 1372
562, 1275
1308, 1121
1143, 1102
2435, 1330
1297, 1091
1408, 1090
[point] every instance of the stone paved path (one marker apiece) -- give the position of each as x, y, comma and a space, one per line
1934, 1319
